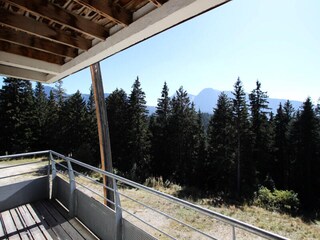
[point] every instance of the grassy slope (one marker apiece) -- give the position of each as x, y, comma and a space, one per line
282, 224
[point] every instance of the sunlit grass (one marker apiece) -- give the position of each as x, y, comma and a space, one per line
17, 161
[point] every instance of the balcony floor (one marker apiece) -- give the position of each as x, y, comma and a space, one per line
41, 220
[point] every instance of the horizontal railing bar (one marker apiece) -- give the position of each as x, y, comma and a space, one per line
93, 180
148, 224
65, 167
15, 175
113, 203
245, 226
24, 154
22, 164
84, 176
168, 216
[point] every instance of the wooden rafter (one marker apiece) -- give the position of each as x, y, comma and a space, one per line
42, 30
45, 45
104, 8
135, 4
51, 12
22, 73
31, 53
158, 3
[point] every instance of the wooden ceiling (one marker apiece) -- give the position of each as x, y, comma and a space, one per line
47, 40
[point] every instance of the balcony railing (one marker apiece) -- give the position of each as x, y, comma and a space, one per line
59, 164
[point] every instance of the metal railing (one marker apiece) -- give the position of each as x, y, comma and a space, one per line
116, 204
25, 171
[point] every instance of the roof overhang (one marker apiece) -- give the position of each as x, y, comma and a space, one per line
148, 20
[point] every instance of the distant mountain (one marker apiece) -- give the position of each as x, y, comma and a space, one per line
47, 90
85, 96
206, 100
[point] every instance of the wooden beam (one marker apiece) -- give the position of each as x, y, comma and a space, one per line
158, 3
40, 44
105, 8
103, 129
42, 30
27, 52
22, 73
51, 12
14, 60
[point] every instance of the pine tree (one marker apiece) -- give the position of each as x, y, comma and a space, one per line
93, 137
261, 133
17, 118
40, 108
221, 154
59, 93
75, 127
139, 137
199, 158
51, 135
307, 165
281, 166
159, 130
181, 137
242, 135
60, 98
117, 109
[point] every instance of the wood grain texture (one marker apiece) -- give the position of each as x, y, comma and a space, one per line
42, 30
113, 13
103, 130
37, 43
51, 12
31, 53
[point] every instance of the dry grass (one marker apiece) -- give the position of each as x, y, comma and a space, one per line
10, 162
282, 224
10, 173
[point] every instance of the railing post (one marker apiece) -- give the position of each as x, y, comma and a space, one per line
53, 167
48, 175
233, 233
118, 233
53, 175
72, 200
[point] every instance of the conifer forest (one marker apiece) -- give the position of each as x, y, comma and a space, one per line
231, 152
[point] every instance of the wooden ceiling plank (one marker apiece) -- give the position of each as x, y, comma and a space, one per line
45, 45
39, 29
17, 61
116, 14
22, 73
51, 12
27, 52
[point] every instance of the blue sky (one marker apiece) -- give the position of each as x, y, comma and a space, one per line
274, 41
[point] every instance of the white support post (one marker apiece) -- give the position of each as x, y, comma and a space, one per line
72, 200
53, 175
118, 211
